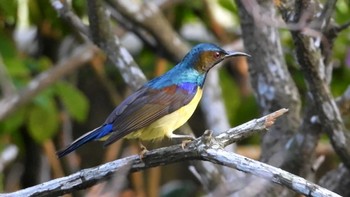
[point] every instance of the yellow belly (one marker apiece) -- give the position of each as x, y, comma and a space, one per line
169, 123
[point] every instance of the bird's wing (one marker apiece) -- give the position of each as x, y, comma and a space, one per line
144, 107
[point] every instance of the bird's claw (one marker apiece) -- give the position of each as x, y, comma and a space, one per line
143, 151
142, 154
185, 142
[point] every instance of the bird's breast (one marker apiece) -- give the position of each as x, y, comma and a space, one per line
167, 124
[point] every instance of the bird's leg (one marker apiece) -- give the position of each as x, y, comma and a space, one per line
184, 143
186, 139
143, 150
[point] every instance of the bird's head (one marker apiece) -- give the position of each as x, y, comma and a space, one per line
194, 66
205, 56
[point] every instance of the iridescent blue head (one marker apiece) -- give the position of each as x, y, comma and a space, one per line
194, 66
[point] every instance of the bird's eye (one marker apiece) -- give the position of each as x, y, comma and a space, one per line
216, 55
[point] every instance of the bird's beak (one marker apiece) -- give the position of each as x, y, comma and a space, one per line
234, 53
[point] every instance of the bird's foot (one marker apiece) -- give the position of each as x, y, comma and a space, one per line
143, 150
142, 154
184, 143
186, 139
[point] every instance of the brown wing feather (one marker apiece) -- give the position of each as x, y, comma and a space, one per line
143, 108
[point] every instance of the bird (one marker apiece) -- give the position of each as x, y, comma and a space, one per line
161, 105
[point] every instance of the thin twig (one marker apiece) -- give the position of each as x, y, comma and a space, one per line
147, 15
253, 126
62, 8
108, 42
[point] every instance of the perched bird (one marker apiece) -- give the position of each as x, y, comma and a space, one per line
162, 105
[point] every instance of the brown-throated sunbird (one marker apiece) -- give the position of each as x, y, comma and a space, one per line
161, 105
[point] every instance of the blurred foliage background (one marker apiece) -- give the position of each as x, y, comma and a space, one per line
34, 39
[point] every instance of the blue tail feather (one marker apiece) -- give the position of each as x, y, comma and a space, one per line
95, 134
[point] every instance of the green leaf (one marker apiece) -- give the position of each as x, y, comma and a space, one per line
229, 5
74, 100
7, 46
43, 121
13, 122
8, 11
17, 68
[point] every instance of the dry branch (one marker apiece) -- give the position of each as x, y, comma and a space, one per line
88, 177
118, 55
102, 36
69, 16
273, 174
146, 15
270, 78
205, 147
337, 180
309, 56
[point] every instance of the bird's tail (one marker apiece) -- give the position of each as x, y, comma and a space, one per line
95, 134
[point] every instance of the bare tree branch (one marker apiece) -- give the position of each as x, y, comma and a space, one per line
80, 56
273, 174
148, 16
203, 148
240, 132
117, 54
69, 16
310, 60
270, 78
206, 147
109, 43
337, 180
288, 147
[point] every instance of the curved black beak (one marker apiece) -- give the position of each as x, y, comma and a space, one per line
227, 55
234, 53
